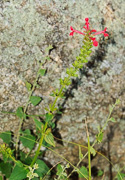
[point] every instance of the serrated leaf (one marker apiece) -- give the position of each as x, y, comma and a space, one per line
27, 139
92, 151
42, 72
43, 168
112, 119
6, 136
20, 113
18, 173
35, 100
49, 139
5, 168
84, 171
28, 86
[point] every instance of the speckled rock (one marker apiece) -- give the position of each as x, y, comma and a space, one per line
26, 29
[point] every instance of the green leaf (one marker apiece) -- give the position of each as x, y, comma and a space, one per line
99, 137
42, 72
43, 168
120, 176
38, 124
92, 150
35, 100
27, 139
35, 178
5, 158
18, 173
84, 171
60, 169
28, 86
100, 172
51, 124
6, 136
48, 131
112, 119
5, 168
49, 139
49, 117
20, 113
1, 177
61, 172
25, 159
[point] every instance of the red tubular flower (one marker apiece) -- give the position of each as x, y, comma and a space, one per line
87, 28
73, 30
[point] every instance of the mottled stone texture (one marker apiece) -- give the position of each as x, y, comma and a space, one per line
26, 29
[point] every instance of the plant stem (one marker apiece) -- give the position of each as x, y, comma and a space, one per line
40, 144
81, 160
53, 105
95, 140
89, 153
25, 109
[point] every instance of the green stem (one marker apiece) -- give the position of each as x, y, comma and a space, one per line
94, 141
108, 118
40, 144
76, 169
25, 109
53, 105
13, 159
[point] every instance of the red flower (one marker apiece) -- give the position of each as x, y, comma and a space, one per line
86, 27
73, 30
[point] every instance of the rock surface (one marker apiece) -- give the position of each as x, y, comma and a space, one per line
26, 29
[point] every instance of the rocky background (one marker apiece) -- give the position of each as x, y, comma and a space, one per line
27, 27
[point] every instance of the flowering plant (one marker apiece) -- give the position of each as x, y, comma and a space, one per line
89, 32
21, 165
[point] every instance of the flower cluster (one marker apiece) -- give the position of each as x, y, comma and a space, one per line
89, 32
31, 173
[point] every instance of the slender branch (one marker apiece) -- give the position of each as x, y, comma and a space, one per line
89, 153
40, 144
25, 109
